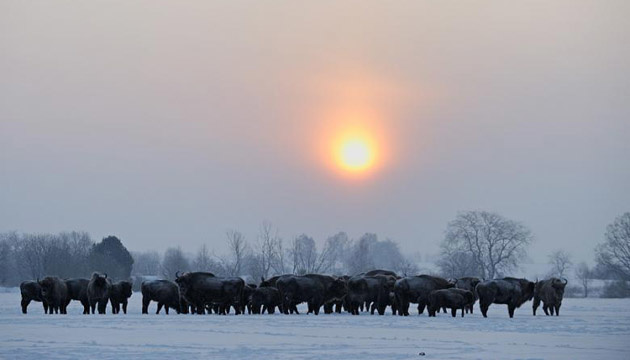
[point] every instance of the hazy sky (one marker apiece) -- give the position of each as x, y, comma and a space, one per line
170, 122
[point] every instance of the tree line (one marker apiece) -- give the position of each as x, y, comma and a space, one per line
476, 243
268, 255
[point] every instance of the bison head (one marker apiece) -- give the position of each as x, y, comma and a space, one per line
559, 284
99, 280
46, 285
183, 281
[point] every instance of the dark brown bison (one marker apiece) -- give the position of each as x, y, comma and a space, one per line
373, 291
164, 292
248, 290
32, 291
119, 294
468, 283
452, 298
98, 292
265, 299
550, 292
77, 290
55, 293
337, 304
202, 289
413, 289
314, 289
273, 282
510, 291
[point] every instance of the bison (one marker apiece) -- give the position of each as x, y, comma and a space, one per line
202, 288
550, 292
164, 292
55, 293
314, 289
417, 289
246, 303
98, 292
32, 291
451, 298
78, 290
273, 282
265, 299
119, 293
369, 290
468, 283
510, 291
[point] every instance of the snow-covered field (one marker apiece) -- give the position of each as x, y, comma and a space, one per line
586, 329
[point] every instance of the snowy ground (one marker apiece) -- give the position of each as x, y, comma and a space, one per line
586, 329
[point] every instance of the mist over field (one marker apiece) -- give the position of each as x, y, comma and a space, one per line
171, 123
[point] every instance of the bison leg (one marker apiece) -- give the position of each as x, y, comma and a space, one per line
421, 306
25, 305
536, 304
511, 309
86, 307
102, 306
551, 309
145, 304
124, 307
557, 310
159, 307
453, 311
546, 309
484, 309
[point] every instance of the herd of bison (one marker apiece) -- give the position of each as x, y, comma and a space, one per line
201, 292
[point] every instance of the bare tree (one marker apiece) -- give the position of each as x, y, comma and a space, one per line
146, 263
496, 244
174, 261
560, 262
583, 274
304, 255
614, 253
269, 251
455, 263
203, 260
31, 254
238, 252
360, 259
331, 257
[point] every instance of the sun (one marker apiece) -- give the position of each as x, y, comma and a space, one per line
355, 153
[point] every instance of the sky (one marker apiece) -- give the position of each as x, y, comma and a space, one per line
171, 122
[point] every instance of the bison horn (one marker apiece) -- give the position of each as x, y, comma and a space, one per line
565, 281
177, 274
105, 275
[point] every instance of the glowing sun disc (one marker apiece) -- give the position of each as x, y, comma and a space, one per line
355, 154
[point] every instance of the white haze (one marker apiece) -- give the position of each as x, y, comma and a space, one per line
170, 122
